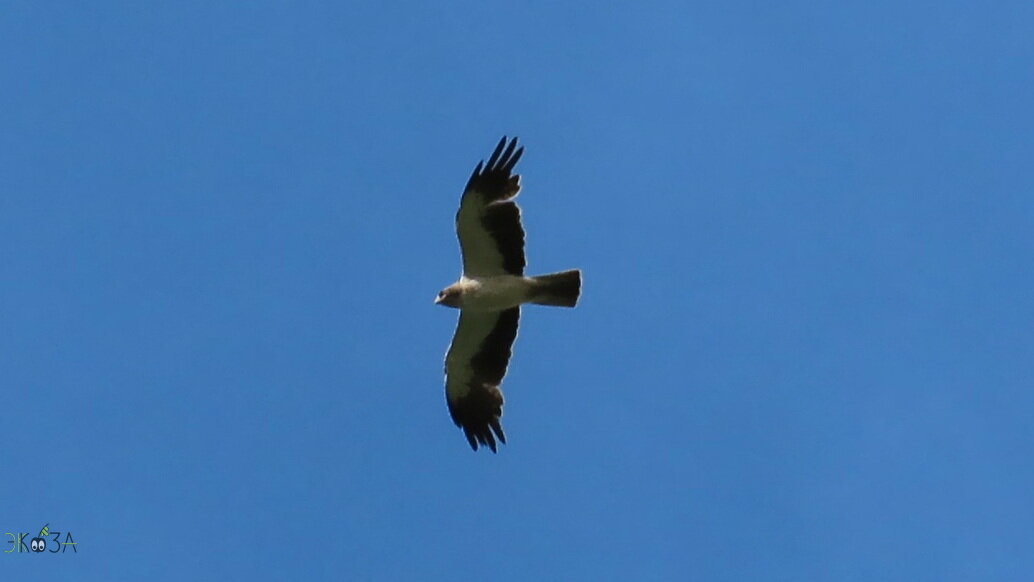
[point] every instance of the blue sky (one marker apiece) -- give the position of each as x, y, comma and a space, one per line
804, 349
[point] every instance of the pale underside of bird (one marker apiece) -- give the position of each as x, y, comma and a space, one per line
489, 295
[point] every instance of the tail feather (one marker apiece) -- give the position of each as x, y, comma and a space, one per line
560, 289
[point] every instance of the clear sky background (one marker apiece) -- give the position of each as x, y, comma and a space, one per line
804, 349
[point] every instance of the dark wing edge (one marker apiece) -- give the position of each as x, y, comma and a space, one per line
495, 180
495, 185
479, 411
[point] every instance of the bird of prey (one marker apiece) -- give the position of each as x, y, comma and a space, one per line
489, 295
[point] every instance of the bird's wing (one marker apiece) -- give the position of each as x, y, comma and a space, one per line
474, 369
488, 222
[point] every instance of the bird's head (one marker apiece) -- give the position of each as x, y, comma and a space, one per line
450, 296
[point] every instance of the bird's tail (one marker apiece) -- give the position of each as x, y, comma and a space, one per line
560, 289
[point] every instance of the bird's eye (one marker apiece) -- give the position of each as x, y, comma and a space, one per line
441, 294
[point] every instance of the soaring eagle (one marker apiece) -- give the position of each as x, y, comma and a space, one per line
489, 295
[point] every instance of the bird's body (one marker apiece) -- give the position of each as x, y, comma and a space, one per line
493, 293
489, 295
499, 292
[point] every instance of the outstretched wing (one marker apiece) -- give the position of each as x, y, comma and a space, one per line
474, 369
489, 222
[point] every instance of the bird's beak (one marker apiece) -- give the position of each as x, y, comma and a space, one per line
438, 300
